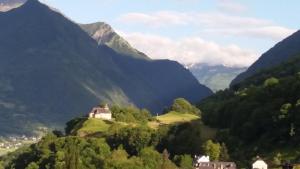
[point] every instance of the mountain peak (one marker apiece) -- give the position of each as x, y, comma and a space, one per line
104, 34
32, 3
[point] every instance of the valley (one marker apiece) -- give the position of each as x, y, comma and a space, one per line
164, 86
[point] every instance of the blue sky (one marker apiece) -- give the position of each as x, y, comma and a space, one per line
229, 32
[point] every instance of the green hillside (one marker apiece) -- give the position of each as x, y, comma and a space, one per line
127, 141
259, 115
93, 126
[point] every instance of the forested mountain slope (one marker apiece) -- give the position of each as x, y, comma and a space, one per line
260, 115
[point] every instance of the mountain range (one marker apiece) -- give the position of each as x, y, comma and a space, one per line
51, 71
216, 77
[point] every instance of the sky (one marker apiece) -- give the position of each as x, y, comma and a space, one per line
215, 32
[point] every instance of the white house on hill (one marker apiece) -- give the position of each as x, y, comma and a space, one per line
101, 113
259, 164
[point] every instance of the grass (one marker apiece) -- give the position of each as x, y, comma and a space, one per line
175, 117
4, 151
94, 126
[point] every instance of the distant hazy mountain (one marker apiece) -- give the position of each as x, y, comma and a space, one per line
6, 5
105, 35
215, 77
51, 71
281, 52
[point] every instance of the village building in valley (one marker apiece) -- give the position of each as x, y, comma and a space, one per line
203, 162
101, 112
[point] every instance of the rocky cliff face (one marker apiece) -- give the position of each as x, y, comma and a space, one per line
105, 35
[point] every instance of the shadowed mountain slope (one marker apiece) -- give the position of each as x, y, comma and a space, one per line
51, 71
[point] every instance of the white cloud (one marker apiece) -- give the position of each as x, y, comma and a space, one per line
267, 32
158, 19
231, 6
214, 22
7, 7
206, 19
190, 50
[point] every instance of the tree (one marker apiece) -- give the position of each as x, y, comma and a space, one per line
181, 105
72, 155
130, 114
119, 160
100, 147
151, 158
212, 149
134, 139
59, 160
1, 166
277, 159
166, 163
184, 161
271, 82
70, 125
32, 165
182, 139
224, 156
284, 110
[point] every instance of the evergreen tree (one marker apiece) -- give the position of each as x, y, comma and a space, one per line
72, 156
224, 156
166, 163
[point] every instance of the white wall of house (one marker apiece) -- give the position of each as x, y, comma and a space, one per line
259, 164
105, 116
203, 159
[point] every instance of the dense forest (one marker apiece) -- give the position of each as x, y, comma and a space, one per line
260, 115
130, 141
